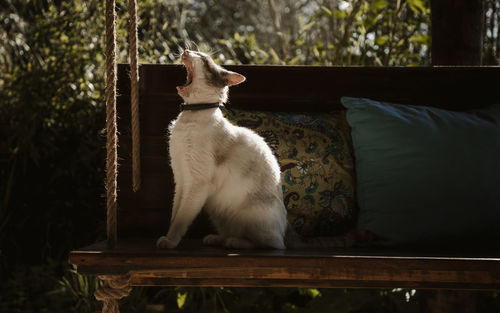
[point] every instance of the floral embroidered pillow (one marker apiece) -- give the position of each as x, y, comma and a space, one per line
317, 167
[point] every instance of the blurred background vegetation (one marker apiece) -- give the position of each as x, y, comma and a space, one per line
52, 119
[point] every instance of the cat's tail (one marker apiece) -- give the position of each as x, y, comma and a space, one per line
349, 239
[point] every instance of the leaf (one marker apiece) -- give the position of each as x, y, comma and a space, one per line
311, 292
306, 27
181, 299
295, 60
274, 56
316, 52
64, 38
327, 11
420, 39
299, 42
379, 4
416, 6
341, 14
382, 40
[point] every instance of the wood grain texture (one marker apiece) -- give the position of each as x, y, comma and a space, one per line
270, 88
192, 264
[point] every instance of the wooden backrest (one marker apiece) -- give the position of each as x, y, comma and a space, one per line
269, 88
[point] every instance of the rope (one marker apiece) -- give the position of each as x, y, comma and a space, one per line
111, 137
114, 288
134, 96
117, 287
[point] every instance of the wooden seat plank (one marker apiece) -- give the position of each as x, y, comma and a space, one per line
193, 265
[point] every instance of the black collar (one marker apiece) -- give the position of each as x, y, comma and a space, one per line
199, 106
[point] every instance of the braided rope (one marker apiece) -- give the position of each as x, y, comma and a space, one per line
111, 140
134, 96
117, 287
114, 288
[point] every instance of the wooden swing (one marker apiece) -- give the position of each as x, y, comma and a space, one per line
129, 256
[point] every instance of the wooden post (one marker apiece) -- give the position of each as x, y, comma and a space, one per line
457, 32
457, 39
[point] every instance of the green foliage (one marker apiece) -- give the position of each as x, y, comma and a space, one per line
36, 289
286, 300
417, 6
80, 289
320, 32
52, 111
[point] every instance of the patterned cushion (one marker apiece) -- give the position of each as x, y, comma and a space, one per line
315, 155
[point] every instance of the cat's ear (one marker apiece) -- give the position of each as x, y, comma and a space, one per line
233, 78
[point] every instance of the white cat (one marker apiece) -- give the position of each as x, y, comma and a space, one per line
228, 170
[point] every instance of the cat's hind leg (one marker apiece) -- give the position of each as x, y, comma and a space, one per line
275, 242
238, 243
214, 240
268, 225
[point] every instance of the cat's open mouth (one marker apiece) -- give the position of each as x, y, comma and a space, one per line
189, 79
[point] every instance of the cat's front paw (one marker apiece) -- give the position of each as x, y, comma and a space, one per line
165, 243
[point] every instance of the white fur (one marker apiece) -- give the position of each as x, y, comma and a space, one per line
227, 169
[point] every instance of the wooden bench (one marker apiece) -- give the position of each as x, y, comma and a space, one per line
145, 215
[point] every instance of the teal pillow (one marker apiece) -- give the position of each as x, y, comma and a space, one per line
426, 175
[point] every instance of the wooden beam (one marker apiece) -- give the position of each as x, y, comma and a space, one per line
457, 32
192, 264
